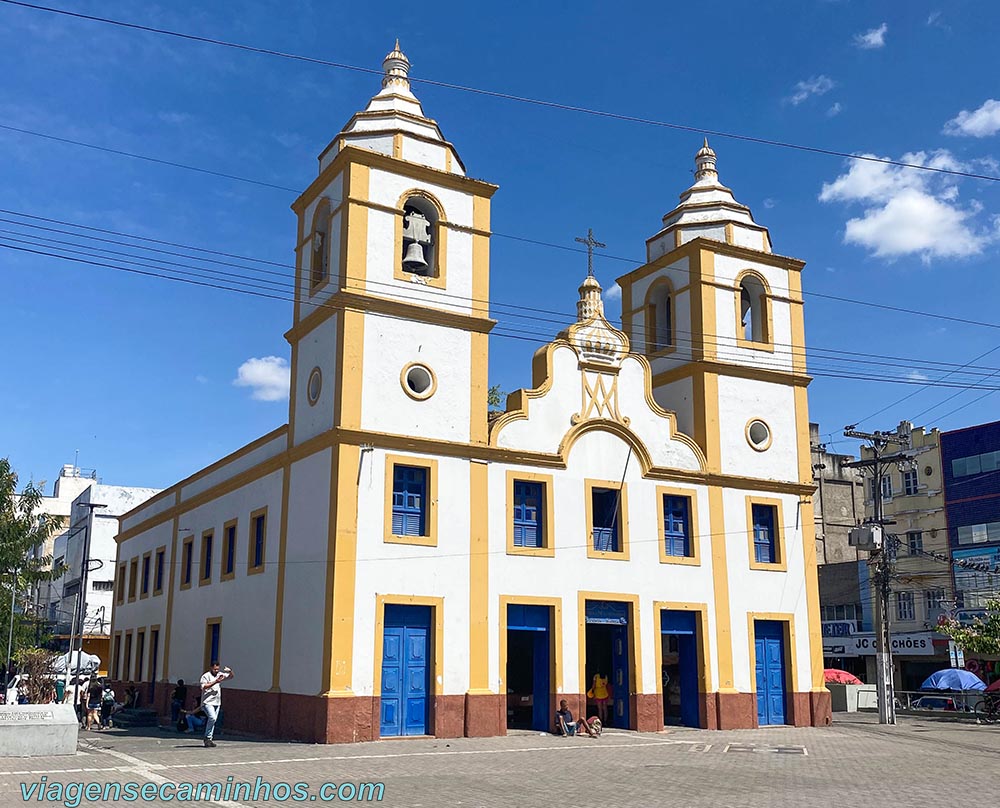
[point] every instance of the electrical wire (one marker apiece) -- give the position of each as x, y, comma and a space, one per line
565, 107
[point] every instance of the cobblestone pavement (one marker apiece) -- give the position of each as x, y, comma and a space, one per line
920, 762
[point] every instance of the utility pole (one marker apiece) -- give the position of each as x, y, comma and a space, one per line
90, 506
881, 547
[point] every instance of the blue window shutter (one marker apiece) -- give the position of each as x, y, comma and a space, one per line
676, 530
528, 514
604, 511
409, 501
763, 534
258, 547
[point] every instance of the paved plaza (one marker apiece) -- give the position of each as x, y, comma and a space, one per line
921, 762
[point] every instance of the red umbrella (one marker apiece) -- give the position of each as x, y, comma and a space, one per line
841, 677
993, 688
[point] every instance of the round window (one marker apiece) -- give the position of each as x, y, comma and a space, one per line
315, 385
418, 381
758, 435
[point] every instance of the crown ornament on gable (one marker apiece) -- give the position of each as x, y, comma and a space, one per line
596, 341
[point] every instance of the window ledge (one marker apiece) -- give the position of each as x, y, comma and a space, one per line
775, 566
423, 541
539, 552
613, 555
686, 561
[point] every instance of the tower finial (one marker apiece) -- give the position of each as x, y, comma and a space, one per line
704, 162
397, 68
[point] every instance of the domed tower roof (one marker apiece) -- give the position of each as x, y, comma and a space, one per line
394, 123
708, 209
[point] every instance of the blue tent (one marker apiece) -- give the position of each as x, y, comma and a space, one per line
953, 679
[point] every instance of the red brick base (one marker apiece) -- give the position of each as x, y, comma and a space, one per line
315, 719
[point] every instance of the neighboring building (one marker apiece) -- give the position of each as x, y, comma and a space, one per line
843, 570
913, 501
392, 562
70, 483
96, 526
971, 459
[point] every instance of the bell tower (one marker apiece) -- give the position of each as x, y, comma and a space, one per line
392, 285
720, 318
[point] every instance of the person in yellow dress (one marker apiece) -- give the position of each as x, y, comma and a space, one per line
600, 693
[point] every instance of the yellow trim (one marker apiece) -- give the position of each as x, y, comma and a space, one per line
406, 387
649, 306
172, 566
781, 565
479, 343
767, 324
397, 145
253, 569
187, 552
154, 641
548, 548
127, 655
145, 572
615, 485
803, 443
703, 305
122, 583
156, 556
342, 549
479, 579
817, 683
354, 155
634, 633
792, 668
437, 629
740, 371
700, 638
798, 326
116, 646
720, 588
729, 232
140, 653
693, 560
205, 570
770, 434
230, 533
207, 659
354, 232
279, 593
555, 638
133, 578
439, 278
430, 537
323, 208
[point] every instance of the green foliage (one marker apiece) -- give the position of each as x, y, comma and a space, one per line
22, 531
495, 397
982, 636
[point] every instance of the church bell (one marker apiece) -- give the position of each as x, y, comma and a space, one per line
414, 257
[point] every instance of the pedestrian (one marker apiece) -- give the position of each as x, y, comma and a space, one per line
107, 705
178, 700
95, 692
211, 696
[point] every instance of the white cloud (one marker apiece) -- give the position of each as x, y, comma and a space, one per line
875, 38
269, 377
769, 203
836, 109
613, 292
909, 212
817, 85
981, 122
201, 379
916, 376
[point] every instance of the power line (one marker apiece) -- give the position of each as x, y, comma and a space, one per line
508, 332
507, 96
816, 354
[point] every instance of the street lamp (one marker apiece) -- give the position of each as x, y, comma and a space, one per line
91, 507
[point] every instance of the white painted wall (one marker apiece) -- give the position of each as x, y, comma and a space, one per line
319, 349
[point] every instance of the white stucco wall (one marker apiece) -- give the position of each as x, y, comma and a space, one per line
318, 349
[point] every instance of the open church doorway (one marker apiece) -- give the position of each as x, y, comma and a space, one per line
679, 671
608, 664
529, 667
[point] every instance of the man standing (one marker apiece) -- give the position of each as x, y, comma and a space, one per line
211, 696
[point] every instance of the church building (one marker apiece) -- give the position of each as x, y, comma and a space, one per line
398, 561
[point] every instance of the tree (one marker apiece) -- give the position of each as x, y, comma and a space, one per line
495, 397
39, 686
23, 529
979, 637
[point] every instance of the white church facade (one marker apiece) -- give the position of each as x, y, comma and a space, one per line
398, 561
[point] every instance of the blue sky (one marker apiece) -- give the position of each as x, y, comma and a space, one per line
138, 373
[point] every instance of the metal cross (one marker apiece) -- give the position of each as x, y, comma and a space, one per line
591, 242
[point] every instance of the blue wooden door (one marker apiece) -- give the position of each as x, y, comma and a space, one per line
769, 649
405, 671
619, 676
